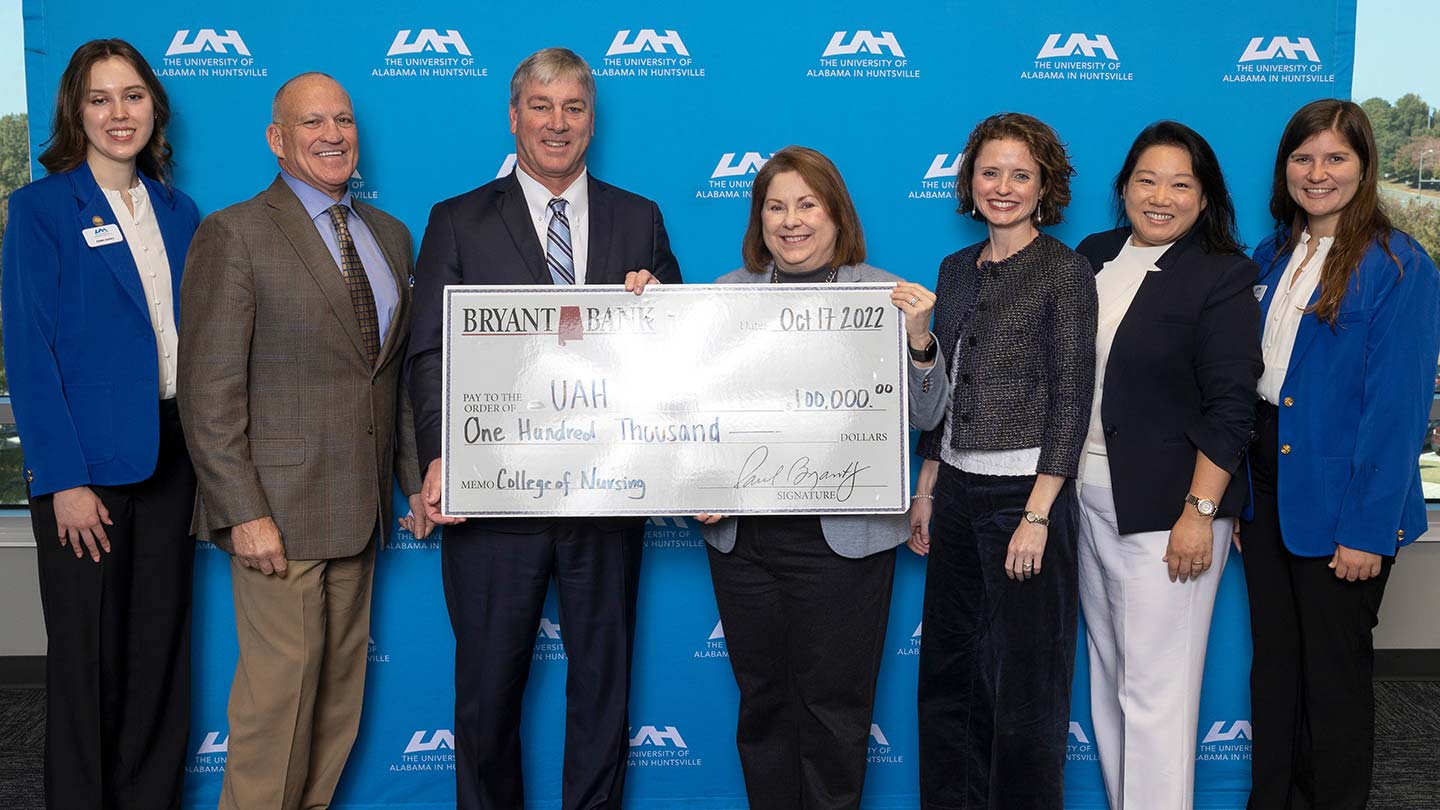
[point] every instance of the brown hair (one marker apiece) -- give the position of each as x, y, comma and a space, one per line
1361, 221
67, 146
824, 179
1044, 146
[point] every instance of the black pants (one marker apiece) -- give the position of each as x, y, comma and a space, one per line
1311, 697
495, 585
117, 668
805, 628
997, 655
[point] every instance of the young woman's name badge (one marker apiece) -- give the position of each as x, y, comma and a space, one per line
103, 235
1260, 291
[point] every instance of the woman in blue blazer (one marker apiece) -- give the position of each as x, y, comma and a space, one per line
1351, 335
91, 275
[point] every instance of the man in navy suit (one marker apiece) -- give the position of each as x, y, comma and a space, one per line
549, 222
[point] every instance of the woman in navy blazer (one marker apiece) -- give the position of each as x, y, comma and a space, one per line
1351, 335
91, 275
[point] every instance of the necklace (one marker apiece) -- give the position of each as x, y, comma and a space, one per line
829, 277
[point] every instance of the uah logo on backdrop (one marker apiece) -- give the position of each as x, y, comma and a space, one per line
1079, 745
428, 750
1279, 60
912, 645
373, 653
938, 182
733, 176
209, 53
863, 54
548, 644
428, 53
1077, 57
880, 751
1225, 742
648, 53
660, 747
210, 755
714, 646
671, 531
360, 190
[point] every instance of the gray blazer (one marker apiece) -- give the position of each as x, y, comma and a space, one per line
857, 535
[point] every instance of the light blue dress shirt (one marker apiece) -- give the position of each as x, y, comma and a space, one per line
382, 281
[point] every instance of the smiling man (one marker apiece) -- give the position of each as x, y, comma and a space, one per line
550, 222
296, 309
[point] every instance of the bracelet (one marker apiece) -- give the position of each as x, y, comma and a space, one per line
927, 497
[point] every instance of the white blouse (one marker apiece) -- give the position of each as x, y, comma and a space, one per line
1287, 309
142, 234
1115, 285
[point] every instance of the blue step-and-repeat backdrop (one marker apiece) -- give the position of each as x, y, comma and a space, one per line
692, 99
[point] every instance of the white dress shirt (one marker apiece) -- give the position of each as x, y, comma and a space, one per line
1287, 309
577, 197
1115, 286
142, 234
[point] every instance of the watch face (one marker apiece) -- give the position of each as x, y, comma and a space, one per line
1206, 507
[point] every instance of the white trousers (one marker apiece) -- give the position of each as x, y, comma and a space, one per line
1147, 655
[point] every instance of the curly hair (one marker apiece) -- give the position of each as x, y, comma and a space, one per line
1045, 147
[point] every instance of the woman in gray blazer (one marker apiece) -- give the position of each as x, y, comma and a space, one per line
805, 599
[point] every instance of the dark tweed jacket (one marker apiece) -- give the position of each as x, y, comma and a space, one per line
1021, 341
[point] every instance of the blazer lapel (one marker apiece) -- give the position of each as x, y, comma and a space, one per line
598, 234
390, 247
516, 215
94, 209
290, 217
1310, 326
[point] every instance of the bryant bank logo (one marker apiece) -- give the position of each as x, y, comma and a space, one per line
1218, 733
731, 166
863, 42
647, 40
507, 166
658, 737
437, 740
1280, 48
214, 744
1078, 45
428, 40
943, 166
207, 40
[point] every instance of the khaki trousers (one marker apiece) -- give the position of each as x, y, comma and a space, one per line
295, 702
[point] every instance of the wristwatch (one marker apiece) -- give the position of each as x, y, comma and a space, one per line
924, 355
1204, 506
1035, 517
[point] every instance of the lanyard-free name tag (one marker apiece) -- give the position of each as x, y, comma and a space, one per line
103, 235
1260, 291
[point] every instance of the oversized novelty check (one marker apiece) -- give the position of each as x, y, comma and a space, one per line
744, 398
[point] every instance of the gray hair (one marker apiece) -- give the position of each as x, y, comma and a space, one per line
276, 103
550, 65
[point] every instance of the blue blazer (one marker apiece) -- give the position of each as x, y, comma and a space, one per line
1356, 402
79, 348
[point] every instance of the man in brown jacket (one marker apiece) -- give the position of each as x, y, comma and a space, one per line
297, 307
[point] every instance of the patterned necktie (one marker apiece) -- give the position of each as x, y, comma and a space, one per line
558, 253
361, 296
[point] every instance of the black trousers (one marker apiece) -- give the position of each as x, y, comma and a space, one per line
495, 585
1311, 696
997, 655
117, 668
805, 628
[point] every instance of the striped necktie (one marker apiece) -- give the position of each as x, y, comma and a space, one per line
361, 296
558, 253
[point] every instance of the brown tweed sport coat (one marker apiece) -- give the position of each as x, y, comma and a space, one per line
282, 413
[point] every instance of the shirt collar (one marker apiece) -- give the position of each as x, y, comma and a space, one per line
316, 202
538, 197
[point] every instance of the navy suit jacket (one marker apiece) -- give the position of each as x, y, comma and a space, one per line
1355, 403
486, 236
1181, 377
79, 348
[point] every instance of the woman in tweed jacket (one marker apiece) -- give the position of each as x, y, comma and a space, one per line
1016, 320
